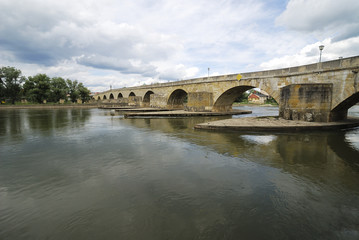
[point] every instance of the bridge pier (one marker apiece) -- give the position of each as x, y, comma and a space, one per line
134, 101
199, 101
158, 101
306, 102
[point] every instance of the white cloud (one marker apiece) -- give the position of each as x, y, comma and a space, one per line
177, 72
310, 53
126, 66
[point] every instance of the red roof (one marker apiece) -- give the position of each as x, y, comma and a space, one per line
253, 96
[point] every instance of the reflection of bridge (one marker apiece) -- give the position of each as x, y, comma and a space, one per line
325, 91
302, 150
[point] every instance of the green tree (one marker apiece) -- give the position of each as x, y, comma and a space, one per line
10, 83
271, 101
73, 91
2, 90
58, 89
244, 96
37, 88
84, 93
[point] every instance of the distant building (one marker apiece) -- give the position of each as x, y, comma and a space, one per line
257, 97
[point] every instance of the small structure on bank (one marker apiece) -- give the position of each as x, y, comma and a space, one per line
257, 97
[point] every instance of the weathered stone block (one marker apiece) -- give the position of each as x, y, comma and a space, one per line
199, 101
134, 100
157, 100
306, 102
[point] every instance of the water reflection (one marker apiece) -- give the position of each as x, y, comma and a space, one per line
292, 152
11, 124
15, 124
97, 176
304, 176
346, 145
352, 137
259, 139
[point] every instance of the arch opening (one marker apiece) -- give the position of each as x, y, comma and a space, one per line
242, 94
147, 98
104, 97
119, 96
132, 94
177, 99
111, 96
98, 98
225, 101
340, 112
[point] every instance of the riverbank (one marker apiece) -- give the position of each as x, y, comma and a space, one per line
268, 124
254, 105
47, 106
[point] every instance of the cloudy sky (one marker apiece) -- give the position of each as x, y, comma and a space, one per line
123, 43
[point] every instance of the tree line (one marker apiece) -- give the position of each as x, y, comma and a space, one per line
39, 88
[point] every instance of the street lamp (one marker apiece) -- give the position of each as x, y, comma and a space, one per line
208, 72
321, 47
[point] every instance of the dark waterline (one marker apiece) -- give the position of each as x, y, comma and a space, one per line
84, 174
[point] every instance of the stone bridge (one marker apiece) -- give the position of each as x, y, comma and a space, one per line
317, 92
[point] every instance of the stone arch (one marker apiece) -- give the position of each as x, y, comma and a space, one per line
119, 96
98, 98
132, 94
104, 97
111, 96
340, 112
225, 100
147, 98
177, 99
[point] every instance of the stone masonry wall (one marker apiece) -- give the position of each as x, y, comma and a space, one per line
158, 101
199, 101
306, 102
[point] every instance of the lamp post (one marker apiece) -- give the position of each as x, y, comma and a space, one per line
321, 47
208, 72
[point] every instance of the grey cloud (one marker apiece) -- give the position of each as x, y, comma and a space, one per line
42, 34
347, 32
328, 17
312, 52
123, 66
26, 32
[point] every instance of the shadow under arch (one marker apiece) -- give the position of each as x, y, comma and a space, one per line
147, 98
132, 94
340, 112
225, 101
104, 97
98, 98
177, 99
119, 96
111, 96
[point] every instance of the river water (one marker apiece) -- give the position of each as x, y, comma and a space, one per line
84, 174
